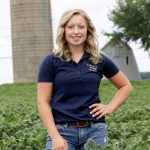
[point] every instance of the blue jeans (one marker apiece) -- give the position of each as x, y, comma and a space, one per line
77, 136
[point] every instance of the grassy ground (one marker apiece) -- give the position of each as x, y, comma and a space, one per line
21, 128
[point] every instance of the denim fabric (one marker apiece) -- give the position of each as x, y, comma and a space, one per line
77, 136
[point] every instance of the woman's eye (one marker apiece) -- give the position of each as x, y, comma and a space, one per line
81, 27
70, 27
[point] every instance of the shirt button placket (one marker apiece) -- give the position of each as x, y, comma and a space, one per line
79, 69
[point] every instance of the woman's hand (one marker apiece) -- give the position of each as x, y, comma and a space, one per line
59, 143
99, 110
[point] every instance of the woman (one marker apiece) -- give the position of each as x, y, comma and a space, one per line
68, 86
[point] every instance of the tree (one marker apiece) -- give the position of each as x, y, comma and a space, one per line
132, 21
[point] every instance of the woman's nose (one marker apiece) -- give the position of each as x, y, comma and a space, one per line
76, 30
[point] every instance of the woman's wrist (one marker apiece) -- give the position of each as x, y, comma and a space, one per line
55, 135
112, 108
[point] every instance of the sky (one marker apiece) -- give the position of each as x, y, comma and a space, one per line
98, 10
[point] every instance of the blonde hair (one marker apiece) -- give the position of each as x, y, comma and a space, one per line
90, 44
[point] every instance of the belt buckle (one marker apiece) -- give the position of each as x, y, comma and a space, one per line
85, 125
78, 124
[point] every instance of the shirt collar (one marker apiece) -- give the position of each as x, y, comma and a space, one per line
85, 55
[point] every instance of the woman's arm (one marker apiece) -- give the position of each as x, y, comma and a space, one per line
124, 90
44, 91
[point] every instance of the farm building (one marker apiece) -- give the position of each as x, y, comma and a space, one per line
122, 55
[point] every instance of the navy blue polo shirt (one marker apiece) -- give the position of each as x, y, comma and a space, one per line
75, 85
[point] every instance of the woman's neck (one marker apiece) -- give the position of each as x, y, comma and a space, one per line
75, 50
77, 54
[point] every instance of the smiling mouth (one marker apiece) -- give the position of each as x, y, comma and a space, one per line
76, 38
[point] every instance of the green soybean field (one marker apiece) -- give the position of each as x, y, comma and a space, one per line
22, 129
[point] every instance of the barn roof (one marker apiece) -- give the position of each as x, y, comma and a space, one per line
111, 43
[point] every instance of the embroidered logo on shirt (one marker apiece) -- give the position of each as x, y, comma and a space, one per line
92, 67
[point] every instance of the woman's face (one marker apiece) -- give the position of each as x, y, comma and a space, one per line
76, 31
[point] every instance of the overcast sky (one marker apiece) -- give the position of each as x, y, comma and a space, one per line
98, 11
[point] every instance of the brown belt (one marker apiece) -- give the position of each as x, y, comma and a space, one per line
79, 123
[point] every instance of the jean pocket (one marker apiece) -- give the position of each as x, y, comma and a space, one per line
99, 126
100, 133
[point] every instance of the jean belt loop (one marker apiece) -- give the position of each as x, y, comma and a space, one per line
66, 125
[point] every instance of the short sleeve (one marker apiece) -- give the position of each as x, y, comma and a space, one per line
46, 70
109, 67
